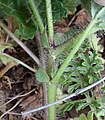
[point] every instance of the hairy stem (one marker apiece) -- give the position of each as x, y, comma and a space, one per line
51, 98
81, 38
72, 53
36, 14
49, 19
43, 64
51, 88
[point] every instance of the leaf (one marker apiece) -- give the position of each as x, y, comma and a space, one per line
41, 76
95, 8
5, 59
93, 44
59, 10
67, 107
57, 38
82, 117
27, 31
71, 5
76, 118
72, 88
90, 115
87, 5
3, 46
19, 11
44, 38
81, 106
90, 66
92, 7
101, 19
1, 14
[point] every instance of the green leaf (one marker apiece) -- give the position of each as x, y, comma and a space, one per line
87, 5
72, 88
92, 7
67, 106
44, 38
3, 46
95, 8
93, 44
81, 106
58, 10
76, 118
41, 76
57, 38
25, 32
5, 60
82, 117
19, 11
71, 5
90, 115
1, 14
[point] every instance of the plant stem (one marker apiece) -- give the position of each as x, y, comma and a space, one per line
49, 19
36, 14
41, 50
56, 78
51, 99
73, 51
51, 88
43, 64
76, 47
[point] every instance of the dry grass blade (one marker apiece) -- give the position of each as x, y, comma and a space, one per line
18, 96
10, 109
20, 43
19, 62
9, 66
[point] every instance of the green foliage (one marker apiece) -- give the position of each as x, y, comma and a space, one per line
44, 39
19, 11
77, 104
84, 117
90, 116
60, 8
70, 5
3, 46
22, 14
92, 7
3, 58
84, 69
41, 76
78, 69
